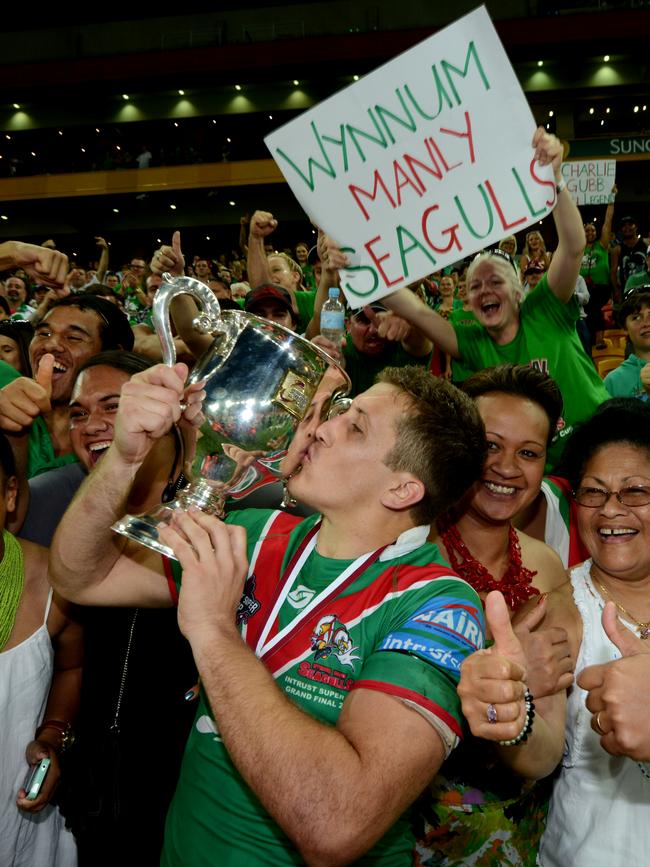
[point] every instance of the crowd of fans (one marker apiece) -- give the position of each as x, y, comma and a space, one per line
481, 436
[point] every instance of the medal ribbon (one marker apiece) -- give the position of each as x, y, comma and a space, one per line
265, 648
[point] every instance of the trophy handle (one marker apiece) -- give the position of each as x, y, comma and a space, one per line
207, 322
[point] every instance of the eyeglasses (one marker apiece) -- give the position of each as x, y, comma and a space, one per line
501, 254
594, 498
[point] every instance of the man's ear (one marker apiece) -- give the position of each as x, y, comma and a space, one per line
405, 492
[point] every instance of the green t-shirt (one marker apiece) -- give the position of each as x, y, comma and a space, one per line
305, 303
402, 627
363, 369
40, 450
625, 380
595, 264
459, 370
546, 339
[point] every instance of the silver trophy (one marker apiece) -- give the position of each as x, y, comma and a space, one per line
260, 379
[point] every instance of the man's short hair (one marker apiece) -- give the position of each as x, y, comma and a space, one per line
633, 302
99, 289
127, 362
520, 380
440, 439
114, 329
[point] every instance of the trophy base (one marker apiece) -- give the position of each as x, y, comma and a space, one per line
144, 528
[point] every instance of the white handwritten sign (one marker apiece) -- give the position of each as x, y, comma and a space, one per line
421, 163
590, 182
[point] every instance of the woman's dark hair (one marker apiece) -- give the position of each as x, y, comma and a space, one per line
127, 362
7, 462
520, 380
115, 331
621, 420
21, 333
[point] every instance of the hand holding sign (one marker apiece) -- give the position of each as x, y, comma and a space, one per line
492, 685
619, 693
548, 150
404, 168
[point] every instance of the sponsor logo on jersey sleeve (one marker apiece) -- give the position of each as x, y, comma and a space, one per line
443, 631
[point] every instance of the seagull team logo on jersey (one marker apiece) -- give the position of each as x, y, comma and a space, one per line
248, 604
331, 638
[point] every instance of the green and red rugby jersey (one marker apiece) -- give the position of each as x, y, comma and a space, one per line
402, 626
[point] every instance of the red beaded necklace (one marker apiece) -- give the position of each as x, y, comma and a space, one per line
515, 584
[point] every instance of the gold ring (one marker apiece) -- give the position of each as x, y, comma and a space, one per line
598, 726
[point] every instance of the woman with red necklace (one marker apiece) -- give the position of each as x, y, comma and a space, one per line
475, 799
519, 407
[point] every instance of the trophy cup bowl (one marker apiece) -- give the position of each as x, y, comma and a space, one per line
259, 379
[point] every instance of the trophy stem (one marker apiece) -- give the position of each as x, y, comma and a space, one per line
207, 497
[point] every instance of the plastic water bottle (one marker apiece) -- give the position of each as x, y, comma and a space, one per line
332, 318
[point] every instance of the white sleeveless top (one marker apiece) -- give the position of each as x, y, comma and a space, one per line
600, 809
27, 839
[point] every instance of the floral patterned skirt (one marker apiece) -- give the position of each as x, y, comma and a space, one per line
460, 825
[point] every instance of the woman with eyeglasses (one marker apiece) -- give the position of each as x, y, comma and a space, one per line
599, 808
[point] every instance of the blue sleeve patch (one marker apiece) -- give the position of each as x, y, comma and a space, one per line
443, 631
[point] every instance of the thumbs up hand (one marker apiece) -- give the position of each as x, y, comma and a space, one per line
169, 258
44, 374
619, 693
24, 399
549, 662
492, 681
